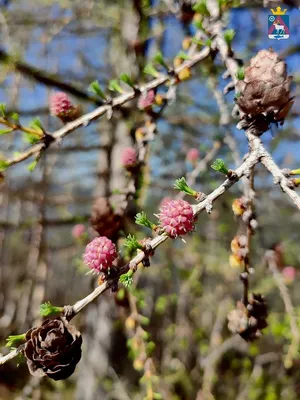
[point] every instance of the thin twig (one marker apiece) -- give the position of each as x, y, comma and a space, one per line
86, 119
201, 166
257, 371
209, 363
279, 177
43, 77
268, 162
294, 346
14, 353
206, 204
233, 67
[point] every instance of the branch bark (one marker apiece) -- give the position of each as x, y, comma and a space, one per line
45, 78
251, 133
206, 204
294, 346
86, 119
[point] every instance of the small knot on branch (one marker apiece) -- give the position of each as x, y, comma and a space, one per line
68, 312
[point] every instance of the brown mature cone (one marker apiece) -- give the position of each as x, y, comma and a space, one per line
187, 12
249, 321
265, 88
103, 218
238, 319
53, 349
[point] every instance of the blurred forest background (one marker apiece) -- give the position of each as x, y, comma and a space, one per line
185, 296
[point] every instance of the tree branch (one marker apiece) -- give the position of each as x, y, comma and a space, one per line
294, 346
251, 133
86, 119
14, 353
45, 78
279, 178
206, 204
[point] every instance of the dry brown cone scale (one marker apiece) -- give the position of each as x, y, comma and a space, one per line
249, 320
265, 88
53, 349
